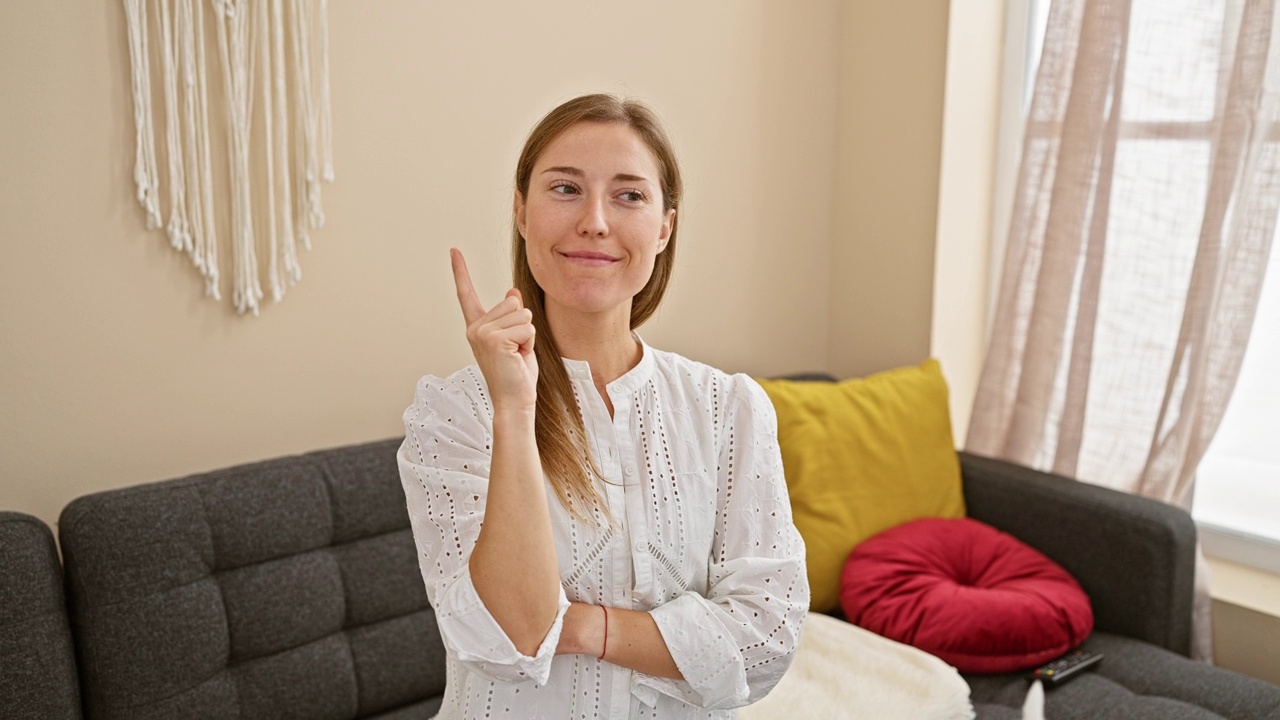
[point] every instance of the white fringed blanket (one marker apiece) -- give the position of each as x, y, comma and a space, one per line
843, 671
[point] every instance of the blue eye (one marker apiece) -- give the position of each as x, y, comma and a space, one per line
564, 188
634, 196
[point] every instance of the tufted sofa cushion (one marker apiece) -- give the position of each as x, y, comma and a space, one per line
287, 588
37, 661
1135, 681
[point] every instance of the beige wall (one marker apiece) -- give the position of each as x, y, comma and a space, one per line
917, 121
1246, 617
114, 369
888, 148
1246, 640
810, 132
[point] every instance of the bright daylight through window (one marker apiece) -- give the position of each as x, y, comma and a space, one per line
1237, 497
1238, 483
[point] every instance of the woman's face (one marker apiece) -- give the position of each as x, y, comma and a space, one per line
592, 220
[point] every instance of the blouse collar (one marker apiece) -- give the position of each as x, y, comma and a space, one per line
630, 381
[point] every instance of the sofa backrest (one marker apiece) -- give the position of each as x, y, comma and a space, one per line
37, 660
287, 588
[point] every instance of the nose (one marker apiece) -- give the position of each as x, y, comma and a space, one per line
592, 222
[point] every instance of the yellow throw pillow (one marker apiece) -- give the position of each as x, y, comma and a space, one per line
862, 456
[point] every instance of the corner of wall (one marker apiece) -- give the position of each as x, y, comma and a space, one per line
965, 199
892, 77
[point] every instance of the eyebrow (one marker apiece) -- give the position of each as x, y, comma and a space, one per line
569, 170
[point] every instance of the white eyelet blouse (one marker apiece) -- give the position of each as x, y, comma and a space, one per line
703, 540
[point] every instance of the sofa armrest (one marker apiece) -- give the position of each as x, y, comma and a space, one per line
1135, 557
38, 676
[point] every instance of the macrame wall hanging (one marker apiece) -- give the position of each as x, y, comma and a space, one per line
272, 52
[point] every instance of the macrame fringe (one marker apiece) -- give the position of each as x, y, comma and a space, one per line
267, 52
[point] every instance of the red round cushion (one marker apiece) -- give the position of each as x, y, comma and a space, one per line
980, 599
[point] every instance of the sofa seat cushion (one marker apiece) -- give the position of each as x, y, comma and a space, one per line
1135, 681
980, 599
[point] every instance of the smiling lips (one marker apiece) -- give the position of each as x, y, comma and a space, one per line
588, 257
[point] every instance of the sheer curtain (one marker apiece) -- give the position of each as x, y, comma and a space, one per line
1144, 213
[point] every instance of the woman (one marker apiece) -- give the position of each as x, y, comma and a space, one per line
603, 528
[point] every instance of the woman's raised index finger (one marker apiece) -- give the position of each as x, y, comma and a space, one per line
471, 307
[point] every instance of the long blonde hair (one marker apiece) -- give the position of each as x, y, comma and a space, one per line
561, 435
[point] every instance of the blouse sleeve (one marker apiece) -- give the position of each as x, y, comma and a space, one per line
444, 468
734, 644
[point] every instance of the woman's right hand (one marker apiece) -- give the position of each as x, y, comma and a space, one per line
501, 340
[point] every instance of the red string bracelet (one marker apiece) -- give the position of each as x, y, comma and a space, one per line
605, 646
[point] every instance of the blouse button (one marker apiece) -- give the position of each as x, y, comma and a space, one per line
642, 546
630, 470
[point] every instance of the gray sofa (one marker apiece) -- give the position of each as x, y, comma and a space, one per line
290, 589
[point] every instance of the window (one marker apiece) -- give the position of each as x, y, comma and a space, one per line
1237, 501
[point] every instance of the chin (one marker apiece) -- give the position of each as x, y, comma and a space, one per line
596, 305
584, 301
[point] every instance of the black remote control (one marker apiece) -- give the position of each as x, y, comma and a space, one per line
1066, 667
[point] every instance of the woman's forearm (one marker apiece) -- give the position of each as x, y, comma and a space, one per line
513, 565
632, 640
